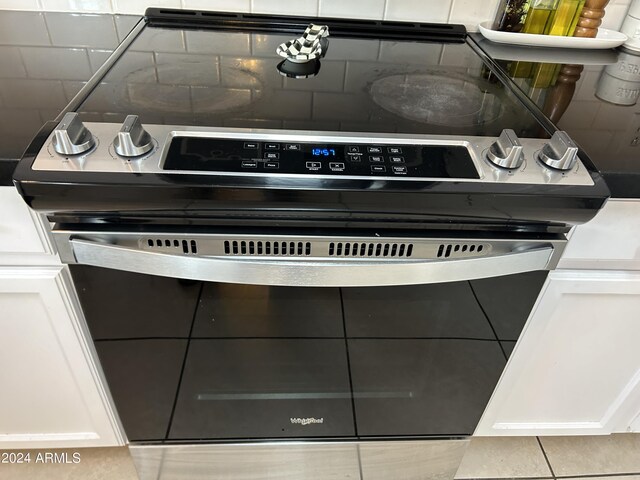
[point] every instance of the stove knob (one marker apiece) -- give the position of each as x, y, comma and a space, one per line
132, 139
560, 153
71, 137
506, 152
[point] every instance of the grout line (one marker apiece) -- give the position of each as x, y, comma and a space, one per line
545, 457
385, 9
450, 11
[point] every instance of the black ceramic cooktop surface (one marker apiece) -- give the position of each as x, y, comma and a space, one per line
45, 58
231, 79
593, 95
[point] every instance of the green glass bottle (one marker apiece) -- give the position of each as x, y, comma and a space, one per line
565, 18
538, 16
510, 15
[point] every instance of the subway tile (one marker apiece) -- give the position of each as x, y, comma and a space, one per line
292, 105
503, 457
329, 106
218, 5
611, 117
265, 45
138, 7
593, 455
31, 93
155, 98
71, 88
311, 125
56, 63
82, 30
253, 73
588, 84
579, 114
109, 97
159, 40
220, 43
307, 8
95, 6
359, 74
410, 52
418, 10
373, 9
457, 55
353, 49
187, 69
131, 62
124, 24
19, 5
472, 12
214, 100
11, 63
14, 30
330, 78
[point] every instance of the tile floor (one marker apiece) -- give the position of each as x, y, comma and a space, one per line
616, 457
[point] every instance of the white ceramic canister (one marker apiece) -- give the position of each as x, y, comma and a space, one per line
631, 26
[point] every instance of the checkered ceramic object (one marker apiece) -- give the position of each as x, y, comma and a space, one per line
306, 48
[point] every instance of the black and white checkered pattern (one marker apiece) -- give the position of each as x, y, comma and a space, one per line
306, 48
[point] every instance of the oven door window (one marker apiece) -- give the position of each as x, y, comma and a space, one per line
223, 362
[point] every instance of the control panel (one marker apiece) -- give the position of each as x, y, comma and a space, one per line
306, 158
133, 148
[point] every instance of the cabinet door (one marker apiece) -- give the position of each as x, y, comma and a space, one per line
576, 367
52, 390
23, 237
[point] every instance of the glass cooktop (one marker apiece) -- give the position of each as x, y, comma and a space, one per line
231, 79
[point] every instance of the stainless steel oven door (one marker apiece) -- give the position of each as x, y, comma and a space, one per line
309, 356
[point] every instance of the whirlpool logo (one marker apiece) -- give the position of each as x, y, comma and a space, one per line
306, 421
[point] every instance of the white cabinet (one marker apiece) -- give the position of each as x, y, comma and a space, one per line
610, 241
576, 367
51, 390
52, 395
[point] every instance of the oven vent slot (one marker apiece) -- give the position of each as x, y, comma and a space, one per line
186, 246
369, 249
267, 248
455, 250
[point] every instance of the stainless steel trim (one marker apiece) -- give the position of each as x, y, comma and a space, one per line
104, 159
308, 272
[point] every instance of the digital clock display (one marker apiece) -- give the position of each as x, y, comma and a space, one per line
323, 152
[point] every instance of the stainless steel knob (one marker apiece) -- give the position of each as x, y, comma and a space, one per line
71, 137
506, 152
132, 139
560, 152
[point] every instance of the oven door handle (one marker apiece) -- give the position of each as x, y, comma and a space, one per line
308, 273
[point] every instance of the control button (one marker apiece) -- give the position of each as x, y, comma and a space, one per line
396, 159
399, 169
394, 150
272, 146
292, 146
374, 149
355, 158
272, 156
272, 165
353, 149
506, 152
376, 159
560, 153
314, 165
336, 166
132, 139
378, 168
71, 137
251, 145
249, 164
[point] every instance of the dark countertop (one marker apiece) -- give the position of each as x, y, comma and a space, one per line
593, 95
45, 58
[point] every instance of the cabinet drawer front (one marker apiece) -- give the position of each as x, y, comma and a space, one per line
611, 241
22, 239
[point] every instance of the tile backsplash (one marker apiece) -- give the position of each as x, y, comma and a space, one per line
467, 12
